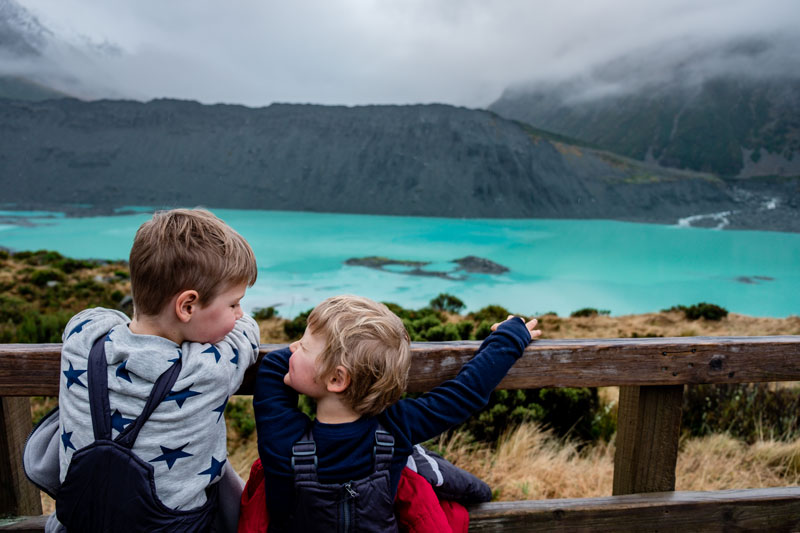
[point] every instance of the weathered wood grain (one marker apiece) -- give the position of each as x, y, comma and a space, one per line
24, 524
773, 510
17, 494
33, 369
648, 430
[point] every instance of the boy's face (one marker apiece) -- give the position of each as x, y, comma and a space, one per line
212, 322
302, 375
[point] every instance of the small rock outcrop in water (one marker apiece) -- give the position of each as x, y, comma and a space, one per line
479, 265
469, 264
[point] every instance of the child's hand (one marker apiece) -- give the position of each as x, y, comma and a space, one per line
529, 324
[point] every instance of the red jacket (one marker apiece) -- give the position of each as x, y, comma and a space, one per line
416, 506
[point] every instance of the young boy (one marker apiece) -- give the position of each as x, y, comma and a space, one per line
183, 354
353, 360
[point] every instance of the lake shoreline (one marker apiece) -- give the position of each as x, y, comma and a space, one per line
754, 215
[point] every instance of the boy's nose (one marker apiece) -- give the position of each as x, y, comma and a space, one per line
293, 346
239, 314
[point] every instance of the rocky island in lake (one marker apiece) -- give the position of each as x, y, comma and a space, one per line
469, 264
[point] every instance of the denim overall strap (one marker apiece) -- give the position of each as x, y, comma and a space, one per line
304, 458
98, 396
383, 449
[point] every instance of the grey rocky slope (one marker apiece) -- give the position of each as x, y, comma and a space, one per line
433, 160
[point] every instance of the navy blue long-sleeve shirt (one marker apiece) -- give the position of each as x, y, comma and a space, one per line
345, 451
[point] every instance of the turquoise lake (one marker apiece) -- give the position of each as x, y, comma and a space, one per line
554, 265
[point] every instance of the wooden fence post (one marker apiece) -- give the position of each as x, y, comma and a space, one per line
18, 496
648, 429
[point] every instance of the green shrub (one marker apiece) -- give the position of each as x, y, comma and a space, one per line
570, 412
33, 327
589, 311
701, 310
490, 313
447, 302
294, 328
440, 333
484, 330
68, 266
239, 415
41, 277
465, 328
264, 313
705, 310
746, 411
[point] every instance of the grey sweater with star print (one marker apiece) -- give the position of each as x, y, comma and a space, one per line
185, 438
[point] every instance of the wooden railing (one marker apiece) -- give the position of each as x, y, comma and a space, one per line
651, 374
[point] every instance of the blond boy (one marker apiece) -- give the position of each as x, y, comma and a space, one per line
189, 271
340, 472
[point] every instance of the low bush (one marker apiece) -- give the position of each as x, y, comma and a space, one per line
41, 277
702, 310
490, 313
576, 413
745, 411
589, 311
264, 313
294, 328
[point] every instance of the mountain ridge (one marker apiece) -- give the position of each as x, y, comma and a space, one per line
420, 160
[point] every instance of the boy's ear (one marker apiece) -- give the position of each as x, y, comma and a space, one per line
339, 380
185, 304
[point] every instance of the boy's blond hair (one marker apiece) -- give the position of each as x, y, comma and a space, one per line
184, 249
369, 341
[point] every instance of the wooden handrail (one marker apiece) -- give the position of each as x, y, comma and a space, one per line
32, 369
650, 372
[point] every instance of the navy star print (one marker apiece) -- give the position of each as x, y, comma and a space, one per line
123, 373
119, 422
66, 440
214, 470
108, 337
169, 455
235, 359
221, 408
212, 349
254, 346
176, 359
78, 328
73, 376
181, 396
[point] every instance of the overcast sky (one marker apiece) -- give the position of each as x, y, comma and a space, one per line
352, 52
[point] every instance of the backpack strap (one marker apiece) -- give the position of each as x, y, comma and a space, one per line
98, 390
383, 449
98, 396
304, 458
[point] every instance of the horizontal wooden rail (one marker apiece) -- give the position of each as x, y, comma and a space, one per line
765, 510
33, 369
650, 373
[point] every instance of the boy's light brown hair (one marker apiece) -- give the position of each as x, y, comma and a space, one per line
185, 249
369, 341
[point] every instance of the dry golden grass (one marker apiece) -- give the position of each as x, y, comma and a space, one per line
531, 464
666, 324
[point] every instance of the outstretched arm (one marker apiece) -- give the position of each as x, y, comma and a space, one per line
455, 400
